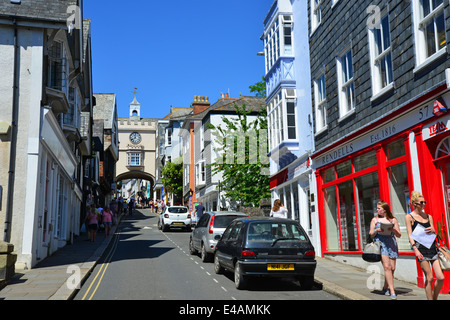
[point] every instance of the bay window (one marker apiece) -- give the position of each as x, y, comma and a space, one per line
282, 117
278, 40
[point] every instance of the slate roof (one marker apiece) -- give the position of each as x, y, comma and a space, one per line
47, 10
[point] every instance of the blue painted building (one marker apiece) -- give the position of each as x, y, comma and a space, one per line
289, 109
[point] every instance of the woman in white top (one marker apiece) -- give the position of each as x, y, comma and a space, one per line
278, 210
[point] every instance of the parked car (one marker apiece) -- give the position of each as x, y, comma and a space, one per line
210, 225
271, 247
175, 217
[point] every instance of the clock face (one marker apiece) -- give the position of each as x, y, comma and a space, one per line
135, 137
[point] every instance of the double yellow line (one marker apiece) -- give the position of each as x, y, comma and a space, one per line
103, 268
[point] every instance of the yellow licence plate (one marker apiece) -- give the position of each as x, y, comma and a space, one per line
178, 223
280, 267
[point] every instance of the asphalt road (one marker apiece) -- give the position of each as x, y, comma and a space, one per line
144, 263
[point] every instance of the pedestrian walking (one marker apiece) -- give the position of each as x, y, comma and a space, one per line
156, 205
384, 227
93, 219
278, 210
427, 256
199, 209
108, 217
152, 207
125, 206
130, 207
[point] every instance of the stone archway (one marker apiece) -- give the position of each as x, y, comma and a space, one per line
136, 175
139, 175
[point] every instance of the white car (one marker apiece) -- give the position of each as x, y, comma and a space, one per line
175, 217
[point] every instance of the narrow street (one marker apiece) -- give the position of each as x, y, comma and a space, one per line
143, 263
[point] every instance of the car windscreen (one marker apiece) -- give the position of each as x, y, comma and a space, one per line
178, 210
271, 231
223, 221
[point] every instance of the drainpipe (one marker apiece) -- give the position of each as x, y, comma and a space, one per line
13, 147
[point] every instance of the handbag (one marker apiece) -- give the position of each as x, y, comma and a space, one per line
372, 251
443, 255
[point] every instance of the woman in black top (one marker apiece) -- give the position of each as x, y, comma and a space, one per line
427, 257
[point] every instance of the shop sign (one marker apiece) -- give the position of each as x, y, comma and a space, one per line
436, 128
439, 108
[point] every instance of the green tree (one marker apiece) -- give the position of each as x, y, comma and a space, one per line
259, 88
244, 164
172, 178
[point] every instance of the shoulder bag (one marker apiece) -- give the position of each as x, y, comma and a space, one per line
444, 255
372, 251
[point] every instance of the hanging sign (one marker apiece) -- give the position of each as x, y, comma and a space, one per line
439, 108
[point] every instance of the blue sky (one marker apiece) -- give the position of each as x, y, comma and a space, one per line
175, 50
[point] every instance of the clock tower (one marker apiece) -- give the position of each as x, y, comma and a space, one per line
135, 108
136, 167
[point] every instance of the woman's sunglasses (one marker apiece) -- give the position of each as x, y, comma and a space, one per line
421, 202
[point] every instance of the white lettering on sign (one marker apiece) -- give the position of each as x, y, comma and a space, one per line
437, 128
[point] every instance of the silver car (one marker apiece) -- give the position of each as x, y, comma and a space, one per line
210, 225
175, 217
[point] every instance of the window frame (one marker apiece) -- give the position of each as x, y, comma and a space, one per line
423, 59
380, 85
133, 155
316, 14
320, 102
346, 107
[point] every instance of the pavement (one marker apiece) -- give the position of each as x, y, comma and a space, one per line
53, 278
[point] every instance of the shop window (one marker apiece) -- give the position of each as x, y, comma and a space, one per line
332, 220
443, 148
328, 175
367, 197
347, 217
344, 169
395, 149
365, 161
400, 202
350, 202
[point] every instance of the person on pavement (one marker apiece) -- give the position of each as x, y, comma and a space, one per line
107, 220
278, 210
427, 257
199, 210
92, 219
389, 247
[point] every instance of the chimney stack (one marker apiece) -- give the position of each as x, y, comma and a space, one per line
200, 104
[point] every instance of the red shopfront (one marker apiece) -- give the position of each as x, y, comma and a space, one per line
386, 161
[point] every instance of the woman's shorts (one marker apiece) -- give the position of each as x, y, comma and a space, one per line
107, 223
93, 226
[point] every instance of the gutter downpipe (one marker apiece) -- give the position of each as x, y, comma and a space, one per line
13, 147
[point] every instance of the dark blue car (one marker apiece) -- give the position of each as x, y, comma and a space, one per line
269, 247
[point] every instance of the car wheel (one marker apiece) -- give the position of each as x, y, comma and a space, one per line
306, 282
191, 248
204, 255
240, 280
218, 269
